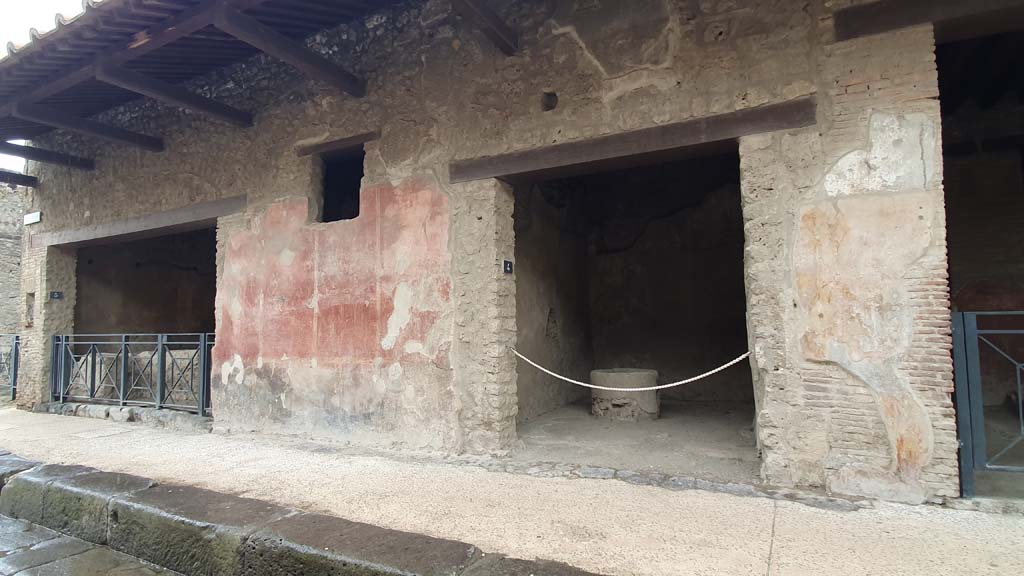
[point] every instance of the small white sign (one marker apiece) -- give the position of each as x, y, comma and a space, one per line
33, 218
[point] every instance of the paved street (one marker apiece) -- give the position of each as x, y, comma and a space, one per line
603, 526
30, 550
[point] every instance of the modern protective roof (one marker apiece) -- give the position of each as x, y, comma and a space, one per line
169, 41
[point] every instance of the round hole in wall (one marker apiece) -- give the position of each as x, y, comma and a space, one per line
549, 101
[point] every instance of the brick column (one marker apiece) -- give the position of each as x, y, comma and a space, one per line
44, 270
485, 315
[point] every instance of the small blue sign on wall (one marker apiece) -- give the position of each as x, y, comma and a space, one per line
508, 266
56, 295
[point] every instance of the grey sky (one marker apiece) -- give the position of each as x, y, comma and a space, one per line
16, 18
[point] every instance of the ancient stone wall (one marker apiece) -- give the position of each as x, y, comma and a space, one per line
11, 213
850, 341
846, 252
552, 311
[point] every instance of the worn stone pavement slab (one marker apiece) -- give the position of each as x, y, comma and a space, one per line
30, 550
605, 526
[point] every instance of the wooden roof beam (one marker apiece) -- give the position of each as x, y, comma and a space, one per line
184, 24
18, 179
57, 119
887, 15
493, 26
267, 40
46, 156
171, 94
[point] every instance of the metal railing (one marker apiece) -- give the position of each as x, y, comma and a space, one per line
988, 352
10, 352
159, 370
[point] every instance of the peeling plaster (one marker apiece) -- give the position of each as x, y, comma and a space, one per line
400, 317
853, 248
899, 158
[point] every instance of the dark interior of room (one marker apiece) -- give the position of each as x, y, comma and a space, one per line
165, 284
981, 85
635, 268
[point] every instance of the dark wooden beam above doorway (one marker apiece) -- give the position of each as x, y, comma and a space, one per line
18, 179
340, 144
491, 24
185, 219
46, 156
267, 40
887, 15
58, 119
171, 94
644, 146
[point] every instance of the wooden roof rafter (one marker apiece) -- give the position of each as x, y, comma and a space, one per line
46, 156
17, 179
93, 63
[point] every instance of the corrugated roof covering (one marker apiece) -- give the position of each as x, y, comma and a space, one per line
111, 26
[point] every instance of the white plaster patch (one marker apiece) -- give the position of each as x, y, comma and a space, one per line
414, 347
900, 158
287, 257
395, 372
400, 317
236, 307
235, 366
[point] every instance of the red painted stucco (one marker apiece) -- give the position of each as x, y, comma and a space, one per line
300, 296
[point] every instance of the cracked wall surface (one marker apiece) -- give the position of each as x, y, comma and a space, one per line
438, 91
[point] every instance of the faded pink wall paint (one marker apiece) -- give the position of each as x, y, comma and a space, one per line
338, 321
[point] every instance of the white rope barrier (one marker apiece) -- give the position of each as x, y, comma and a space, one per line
662, 387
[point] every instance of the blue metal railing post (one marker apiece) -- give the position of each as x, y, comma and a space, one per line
92, 371
15, 352
204, 381
963, 406
54, 363
64, 374
122, 387
161, 377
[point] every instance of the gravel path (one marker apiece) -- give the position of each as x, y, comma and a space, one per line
604, 526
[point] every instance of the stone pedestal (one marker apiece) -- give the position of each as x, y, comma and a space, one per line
628, 406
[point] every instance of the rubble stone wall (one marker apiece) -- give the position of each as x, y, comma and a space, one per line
847, 299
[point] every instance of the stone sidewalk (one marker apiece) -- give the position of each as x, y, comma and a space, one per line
30, 550
603, 526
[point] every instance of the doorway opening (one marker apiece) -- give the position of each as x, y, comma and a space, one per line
982, 98
638, 268
143, 324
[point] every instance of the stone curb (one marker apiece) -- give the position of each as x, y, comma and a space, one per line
200, 532
170, 419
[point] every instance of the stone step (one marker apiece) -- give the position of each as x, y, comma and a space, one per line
200, 532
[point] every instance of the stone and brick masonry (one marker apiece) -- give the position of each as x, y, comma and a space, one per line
395, 327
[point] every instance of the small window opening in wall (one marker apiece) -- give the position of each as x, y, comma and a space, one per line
343, 177
30, 309
549, 101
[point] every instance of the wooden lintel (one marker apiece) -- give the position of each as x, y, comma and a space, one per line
492, 25
58, 119
658, 142
887, 15
339, 145
171, 94
187, 218
46, 156
18, 179
267, 40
